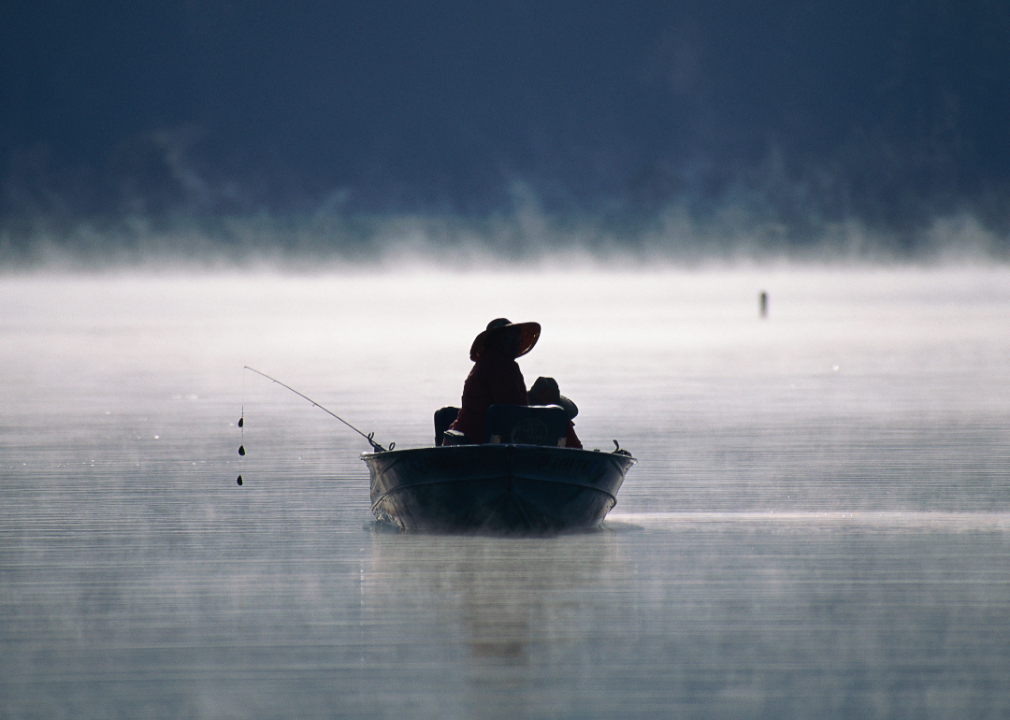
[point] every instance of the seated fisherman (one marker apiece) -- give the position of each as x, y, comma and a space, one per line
495, 377
545, 392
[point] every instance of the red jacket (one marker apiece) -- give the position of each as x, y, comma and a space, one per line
494, 378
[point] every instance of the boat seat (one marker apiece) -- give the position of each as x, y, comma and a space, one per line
443, 419
526, 425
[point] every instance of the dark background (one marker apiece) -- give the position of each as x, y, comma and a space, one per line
892, 114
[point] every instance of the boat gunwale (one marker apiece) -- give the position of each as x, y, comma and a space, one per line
459, 448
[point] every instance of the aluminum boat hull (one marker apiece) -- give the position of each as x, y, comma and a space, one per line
495, 488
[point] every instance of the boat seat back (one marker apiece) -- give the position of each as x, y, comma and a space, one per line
526, 425
443, 419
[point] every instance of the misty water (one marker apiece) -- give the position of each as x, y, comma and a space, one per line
818, 525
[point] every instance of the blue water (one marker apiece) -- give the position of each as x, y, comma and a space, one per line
818, 526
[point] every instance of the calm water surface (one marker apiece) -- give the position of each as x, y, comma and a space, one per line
818, 526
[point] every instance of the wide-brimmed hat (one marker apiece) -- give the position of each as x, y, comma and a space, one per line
530, 334
546, 392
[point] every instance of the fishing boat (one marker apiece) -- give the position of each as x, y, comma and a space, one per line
522, 479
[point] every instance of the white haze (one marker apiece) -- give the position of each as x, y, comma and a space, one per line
527, 235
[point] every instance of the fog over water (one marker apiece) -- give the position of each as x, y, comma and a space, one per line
817, 525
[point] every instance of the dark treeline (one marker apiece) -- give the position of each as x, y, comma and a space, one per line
891, 114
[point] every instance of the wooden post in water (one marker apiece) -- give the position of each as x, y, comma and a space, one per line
763, 304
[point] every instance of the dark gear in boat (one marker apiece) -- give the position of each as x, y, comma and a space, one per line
545, 392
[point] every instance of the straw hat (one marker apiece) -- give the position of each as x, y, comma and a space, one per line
545, 392
530, 334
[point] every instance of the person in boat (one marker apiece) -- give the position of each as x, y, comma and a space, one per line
545, 391
495, 377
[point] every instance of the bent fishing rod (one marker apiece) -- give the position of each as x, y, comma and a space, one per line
369, 437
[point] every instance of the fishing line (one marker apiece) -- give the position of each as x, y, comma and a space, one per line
241, 425
369, 437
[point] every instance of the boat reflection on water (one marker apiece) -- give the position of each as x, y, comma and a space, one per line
515, 614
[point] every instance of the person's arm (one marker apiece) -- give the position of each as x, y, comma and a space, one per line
571, 439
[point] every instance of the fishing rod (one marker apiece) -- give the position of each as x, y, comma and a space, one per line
369, 437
